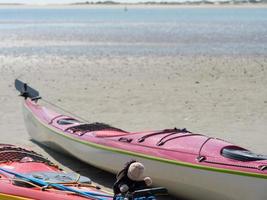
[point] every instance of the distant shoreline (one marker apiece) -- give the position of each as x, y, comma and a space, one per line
122, 5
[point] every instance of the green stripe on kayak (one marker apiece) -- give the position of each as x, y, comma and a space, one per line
174, 162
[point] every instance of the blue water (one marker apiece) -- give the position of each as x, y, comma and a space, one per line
112, 31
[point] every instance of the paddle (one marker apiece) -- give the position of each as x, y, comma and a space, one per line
91, 195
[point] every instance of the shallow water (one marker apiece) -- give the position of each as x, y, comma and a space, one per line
112, 31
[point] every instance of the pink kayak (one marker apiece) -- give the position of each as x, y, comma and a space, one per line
189, 165
19, 168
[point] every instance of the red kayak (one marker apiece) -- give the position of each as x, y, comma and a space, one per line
23, 173
188, 164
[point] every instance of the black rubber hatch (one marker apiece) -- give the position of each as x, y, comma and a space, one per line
242, 154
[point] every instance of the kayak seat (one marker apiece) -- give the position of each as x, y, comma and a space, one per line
109, 133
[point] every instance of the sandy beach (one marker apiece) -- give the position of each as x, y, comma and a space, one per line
223, 96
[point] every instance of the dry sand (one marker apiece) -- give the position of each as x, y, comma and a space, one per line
221, 96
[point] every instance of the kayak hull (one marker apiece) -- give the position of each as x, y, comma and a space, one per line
188, 181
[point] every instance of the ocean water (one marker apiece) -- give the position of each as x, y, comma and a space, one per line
137, 32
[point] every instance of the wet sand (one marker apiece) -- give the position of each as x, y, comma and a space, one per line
221, 96
135, 6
